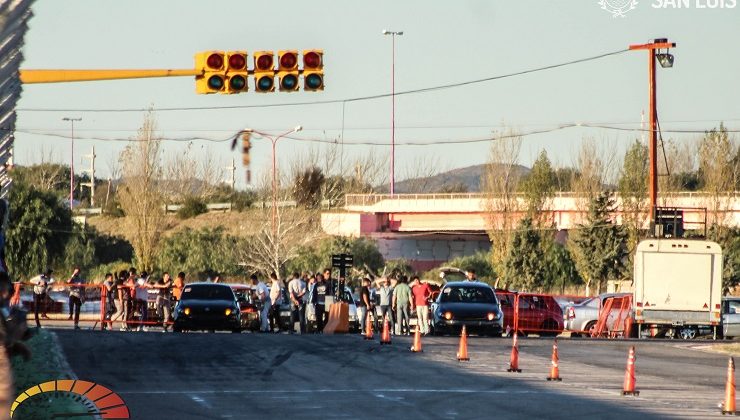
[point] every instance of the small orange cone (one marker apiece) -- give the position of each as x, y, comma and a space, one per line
368, 328
514, 364
385, 338
728, 407
462, 352
554, 370
629, 375
416, 348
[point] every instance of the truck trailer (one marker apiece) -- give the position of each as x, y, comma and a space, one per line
678, 287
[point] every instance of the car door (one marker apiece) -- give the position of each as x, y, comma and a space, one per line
731, 317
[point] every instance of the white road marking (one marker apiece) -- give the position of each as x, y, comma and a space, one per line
323, 391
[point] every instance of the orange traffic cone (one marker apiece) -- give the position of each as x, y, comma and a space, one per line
416, 348
629, 375
729, 405
554, 371
462, 352
368, 328
514, 364
385, 338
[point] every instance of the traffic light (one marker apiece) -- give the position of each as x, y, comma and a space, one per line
313, 70
288, 70
212, 78
246, 145
236, 72
264, 71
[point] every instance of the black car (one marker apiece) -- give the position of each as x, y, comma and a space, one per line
207, 306
466, 303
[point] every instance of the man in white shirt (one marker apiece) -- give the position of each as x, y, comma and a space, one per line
41, 285
276, 298
263, 294
296, 292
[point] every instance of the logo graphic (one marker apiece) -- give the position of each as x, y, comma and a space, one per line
72, 399
618, 7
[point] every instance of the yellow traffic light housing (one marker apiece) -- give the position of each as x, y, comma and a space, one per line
313, 70
264, 71
236, 72
246, 145
288, 70
212, 79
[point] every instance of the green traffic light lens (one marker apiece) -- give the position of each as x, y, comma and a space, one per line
265, 83
237, 82
314, 81
289, 82
216, 82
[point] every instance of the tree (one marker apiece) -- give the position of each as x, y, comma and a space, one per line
525, 266
38, 230
538, 187
140, 193
307, 186
480, 262
633, 192
204, 252
599, 245
561, 269
716, 152
317, 256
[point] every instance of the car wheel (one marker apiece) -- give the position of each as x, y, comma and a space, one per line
549, 328
591, 328
687, 333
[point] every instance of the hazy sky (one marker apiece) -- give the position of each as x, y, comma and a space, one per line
443, 43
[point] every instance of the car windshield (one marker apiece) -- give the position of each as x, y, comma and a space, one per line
467, 294
207, 292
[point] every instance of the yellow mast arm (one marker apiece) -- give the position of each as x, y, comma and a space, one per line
58, 76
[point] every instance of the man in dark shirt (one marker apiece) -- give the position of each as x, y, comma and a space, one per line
363, 306
76, 295
322, 290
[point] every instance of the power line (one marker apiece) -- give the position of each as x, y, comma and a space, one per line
335, 101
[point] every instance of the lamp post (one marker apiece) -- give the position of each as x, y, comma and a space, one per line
666, 61
274, 141
72, 163
393, 107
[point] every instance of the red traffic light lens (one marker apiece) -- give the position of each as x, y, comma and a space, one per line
312, 59
215, 61
288, 60
264, 62
237, 62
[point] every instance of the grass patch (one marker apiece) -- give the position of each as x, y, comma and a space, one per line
46, 364
732, 349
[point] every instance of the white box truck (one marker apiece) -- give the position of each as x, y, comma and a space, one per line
678, 287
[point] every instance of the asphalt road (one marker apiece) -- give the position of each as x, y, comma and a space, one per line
265, 376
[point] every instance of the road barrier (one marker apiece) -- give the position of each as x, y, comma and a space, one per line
615, 320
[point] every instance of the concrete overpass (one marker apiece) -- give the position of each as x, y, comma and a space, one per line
428, 229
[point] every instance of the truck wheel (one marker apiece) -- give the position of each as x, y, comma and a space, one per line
687, 333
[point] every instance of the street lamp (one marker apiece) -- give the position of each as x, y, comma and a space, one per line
274, 141
72, 163
393, 107
666, 61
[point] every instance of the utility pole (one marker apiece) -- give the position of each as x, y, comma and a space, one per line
666, 60
232, 177
72, 163
90, 171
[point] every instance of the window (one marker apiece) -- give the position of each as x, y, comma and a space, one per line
207, 292
468, 295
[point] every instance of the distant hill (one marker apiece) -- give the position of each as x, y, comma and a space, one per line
467, 179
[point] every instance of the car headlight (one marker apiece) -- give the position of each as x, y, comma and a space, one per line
448, 315
186, 311
492, 316
228, 311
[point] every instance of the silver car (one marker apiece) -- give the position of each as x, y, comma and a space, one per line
584, 316
730, 316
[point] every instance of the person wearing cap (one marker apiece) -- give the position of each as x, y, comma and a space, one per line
40, 287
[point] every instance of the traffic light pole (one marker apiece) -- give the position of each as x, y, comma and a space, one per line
653, 146
60, 76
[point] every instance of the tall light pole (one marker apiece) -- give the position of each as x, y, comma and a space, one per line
72, 163
274, 141
666, 61
393, 107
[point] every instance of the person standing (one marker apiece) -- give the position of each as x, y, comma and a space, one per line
110, 301
142, 300
322, 291
401, 302
422, 292
384, 301
178, 285
163, 301
470, 275
76, 296
363, 305
263, 294
310, 302
276, 299
296, 291
119, 294
40, 288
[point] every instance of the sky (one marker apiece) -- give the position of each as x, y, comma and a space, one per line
444, 42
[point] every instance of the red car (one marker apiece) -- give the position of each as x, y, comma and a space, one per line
538, 314
250, 311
